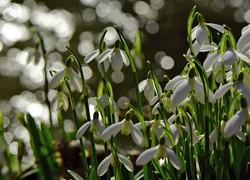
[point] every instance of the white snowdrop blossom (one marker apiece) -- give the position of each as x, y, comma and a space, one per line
182, 87
126, 127
95, 126
117, 57
165, 98
69, 74
110, 159
236, 121
200, 34
148, 87
60, 100
158, 152
94, 55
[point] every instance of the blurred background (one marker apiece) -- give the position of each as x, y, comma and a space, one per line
79, 24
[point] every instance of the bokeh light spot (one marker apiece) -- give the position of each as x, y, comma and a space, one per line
152, 27
117, 77
121, 102
167, 63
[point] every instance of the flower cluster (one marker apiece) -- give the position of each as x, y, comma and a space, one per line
205, 106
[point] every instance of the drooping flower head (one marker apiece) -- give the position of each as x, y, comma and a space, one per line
95, 126
68, 74
126, 127
60, 100
111, 159
116, 57
241, 117
158, 152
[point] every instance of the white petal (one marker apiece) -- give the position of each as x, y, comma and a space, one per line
137, 136
75, 80
65, 102
127, 163
222, 90
116, 61
210, 60
243, 40
56, 79
242, 56
176, 80
217, 27
100, 127
149, 90
233, 124
175, 132
142, 85
82, 129
240, 135
146, 156
124, 57
104, 165
201, 34
54, 103
106, 54
139, 126
206, 48
213, 136
181, 93
173, 158
92, 55
112, 130
229, 57
106, 64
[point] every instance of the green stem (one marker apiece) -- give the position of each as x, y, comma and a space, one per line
86, 97
46, 84
84, 159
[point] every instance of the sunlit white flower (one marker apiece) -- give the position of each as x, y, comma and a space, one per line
67, 73
160, 151
95, 126
110, 159
60, 100
116, 57
165, 98
200, 34
236, 121
94, 55
126, 127
183, 85
148, 87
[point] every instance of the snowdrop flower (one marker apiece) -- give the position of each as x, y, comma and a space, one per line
182, 86
95, 126
126, 127
165, 97
60, 100
67, 73
148, 87
160, 151
104, 165
241, 117
94, 55
200, 34
116, 57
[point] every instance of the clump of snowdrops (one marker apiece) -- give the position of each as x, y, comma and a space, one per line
197, 124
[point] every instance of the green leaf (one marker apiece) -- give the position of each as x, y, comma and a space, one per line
75, 175
191, 17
